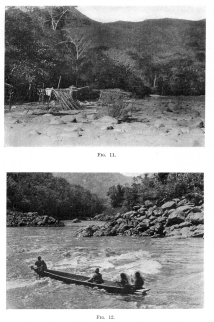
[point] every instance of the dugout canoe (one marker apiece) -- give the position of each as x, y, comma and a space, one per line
109, 286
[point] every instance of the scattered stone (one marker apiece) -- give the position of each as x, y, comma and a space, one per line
31, 219
168, 205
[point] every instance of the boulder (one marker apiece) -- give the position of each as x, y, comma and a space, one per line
182, 203
76, 220
166, 213
142, 227
198, 233
185, 224
141, 218
51, 220
119, 220
146, 221
122, 228
176, 217
158, 212
142, 210
185, 231
184, 208
174, 227
107, 120
128, 214
168, 205
161, 219
149, 212
56, 121
69, 118
195, 218
175, 233
158, 228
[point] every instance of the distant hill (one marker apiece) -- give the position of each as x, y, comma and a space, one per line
161, 56
97, 183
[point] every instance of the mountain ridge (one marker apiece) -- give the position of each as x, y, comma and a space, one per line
97, 183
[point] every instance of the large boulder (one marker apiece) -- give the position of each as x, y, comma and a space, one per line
195, 218
184, 208
168, 205
176, 217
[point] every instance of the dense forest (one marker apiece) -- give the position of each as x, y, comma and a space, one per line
165, 56
158, 187
48, 195
56, 197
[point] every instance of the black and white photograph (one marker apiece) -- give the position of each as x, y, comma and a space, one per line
82, 76
105, 240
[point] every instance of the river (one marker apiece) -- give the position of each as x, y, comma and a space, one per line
173, 269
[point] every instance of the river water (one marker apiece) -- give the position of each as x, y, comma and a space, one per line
173, 269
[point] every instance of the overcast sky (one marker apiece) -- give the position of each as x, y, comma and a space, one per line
109, 14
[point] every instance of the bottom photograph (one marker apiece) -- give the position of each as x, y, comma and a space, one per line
105, 240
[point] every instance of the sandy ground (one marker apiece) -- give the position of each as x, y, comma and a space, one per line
157, 121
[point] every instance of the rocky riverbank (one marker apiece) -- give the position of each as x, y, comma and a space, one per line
31, 219
175, 218
153, 121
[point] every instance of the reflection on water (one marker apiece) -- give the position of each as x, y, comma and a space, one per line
173, 269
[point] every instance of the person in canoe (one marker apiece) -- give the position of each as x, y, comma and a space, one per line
138, 281
41, 265
97, 277
124, 281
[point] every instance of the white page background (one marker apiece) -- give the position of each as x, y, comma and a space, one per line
127, 160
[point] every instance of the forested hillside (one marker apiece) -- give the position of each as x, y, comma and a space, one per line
164, 56
48, 195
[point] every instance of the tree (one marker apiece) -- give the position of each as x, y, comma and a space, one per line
116, 194
56, 15
77, 48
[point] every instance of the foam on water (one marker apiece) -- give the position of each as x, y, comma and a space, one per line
108, 261
13, 284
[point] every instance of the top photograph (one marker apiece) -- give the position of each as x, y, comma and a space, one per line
105, 76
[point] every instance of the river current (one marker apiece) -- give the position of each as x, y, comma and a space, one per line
173, 269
